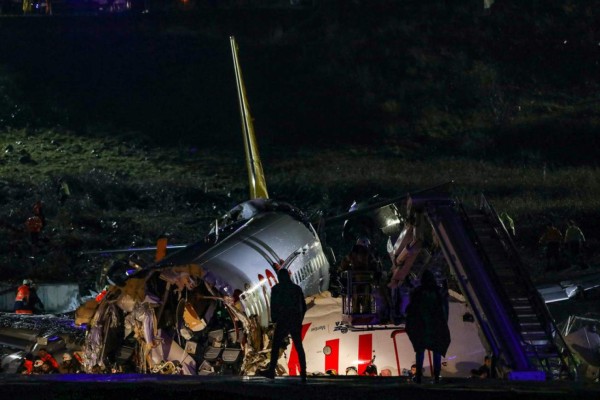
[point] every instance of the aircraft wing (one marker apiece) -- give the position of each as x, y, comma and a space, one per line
564, 290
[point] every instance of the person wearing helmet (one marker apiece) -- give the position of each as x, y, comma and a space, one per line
35, 303
22, 304
47, 368
48, 358
360, 269
37, 367
69, 365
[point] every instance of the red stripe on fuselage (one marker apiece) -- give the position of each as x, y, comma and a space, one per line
332, 360
365, 351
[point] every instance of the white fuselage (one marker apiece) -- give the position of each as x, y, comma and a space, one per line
329, 345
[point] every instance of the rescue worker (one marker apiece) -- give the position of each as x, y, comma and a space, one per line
427, 325
27, 367
551, 239
38, 210
363, 268
69, 365
34, 226
351, 370
47, 358
360, 258
47, 368
287, 312
64, 192
37, 367
574, 242
35, 303
22, 298
27, 6
100, 296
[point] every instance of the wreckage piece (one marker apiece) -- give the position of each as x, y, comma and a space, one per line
166, 315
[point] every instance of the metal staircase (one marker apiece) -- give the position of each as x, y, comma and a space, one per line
541, 339
512, 316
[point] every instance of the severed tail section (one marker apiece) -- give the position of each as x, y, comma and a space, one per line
256, 177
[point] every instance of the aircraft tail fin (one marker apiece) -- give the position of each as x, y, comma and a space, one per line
256, 176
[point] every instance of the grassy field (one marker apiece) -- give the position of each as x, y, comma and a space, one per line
125, 191
138, 114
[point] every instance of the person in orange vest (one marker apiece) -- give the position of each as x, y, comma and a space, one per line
34, 226
101, 295
27, 367
38, 209
48, 358
22, 298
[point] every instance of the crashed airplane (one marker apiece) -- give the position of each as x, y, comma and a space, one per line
204, 310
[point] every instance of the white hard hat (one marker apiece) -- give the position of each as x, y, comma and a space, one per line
351, 370
67, 356
26, 282
38, 363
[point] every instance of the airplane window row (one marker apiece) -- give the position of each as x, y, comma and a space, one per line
304, 272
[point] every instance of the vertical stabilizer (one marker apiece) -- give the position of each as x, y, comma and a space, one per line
256, 177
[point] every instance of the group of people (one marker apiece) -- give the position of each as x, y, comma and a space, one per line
45, 363
414, 291
571, 245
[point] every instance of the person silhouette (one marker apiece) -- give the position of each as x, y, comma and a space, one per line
427, 324
287, 312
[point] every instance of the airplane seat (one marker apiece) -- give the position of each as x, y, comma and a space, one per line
206, 369
215, 345
212, 353
231, 355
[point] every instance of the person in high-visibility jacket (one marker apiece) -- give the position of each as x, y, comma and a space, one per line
27, 367
552, 239
48, 358
574, 242
22, 298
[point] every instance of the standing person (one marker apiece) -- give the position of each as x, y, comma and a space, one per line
362, 264
34, 226
38, 210
22, 298
63, 191
427, 324
551, 239
574, 242
69, 365
287, 312
35, 303
48, 358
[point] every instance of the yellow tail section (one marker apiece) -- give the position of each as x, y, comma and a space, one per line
256, 176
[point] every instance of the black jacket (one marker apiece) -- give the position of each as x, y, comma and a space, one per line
287, 300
